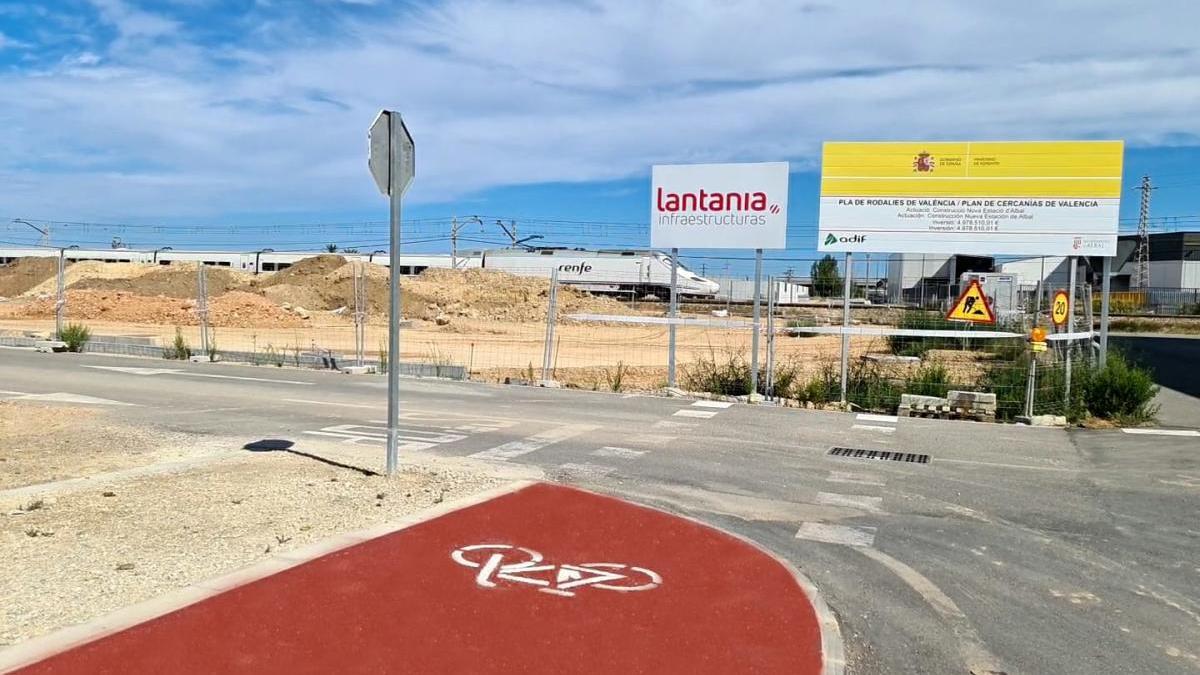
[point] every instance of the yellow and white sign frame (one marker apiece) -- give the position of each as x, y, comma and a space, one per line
984, 198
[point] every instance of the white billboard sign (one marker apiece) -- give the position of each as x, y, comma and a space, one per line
719, 205
975, 198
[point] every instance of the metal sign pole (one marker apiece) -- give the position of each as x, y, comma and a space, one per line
1070, 327
674, 314
846, 326
1105, 288
395, 193
758, 257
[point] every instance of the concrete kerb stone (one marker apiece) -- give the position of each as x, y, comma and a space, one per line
39, 648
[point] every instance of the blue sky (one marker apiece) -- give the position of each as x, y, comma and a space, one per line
231, 123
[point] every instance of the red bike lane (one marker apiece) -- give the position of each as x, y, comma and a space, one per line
544, 579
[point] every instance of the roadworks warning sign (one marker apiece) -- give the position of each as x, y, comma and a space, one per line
972, 306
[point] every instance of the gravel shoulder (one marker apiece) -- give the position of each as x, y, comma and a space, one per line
79, 554
45, 443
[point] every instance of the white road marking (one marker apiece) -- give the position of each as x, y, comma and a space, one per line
1162, 432
837, 534
623, 453
668, 424
701, 414
344, 405
871, 427
587, 470
970, 647
864, 502
1005, 466
713, 404
652, 439
512, 449
63, 397
415, 439
174, 371
133, 370
871, 417
247, 379
855, 478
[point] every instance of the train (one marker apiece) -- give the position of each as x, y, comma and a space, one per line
628, 273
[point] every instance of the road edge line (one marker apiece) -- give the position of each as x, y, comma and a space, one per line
63, 639
833, 651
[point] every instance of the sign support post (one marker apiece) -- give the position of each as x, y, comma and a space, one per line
846, 326
1105, 288
393, 374
392, 163
758, 257
674, 315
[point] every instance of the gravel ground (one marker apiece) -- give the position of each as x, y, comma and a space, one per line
44, 443
82, 554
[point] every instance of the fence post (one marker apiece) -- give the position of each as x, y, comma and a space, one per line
758, 257
1105, 290
1070, 329
771, 290
846, 325
674, 313
60, 302
360, 312
1030, 386
202, 304
551, 310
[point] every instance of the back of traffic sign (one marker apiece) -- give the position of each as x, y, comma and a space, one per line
972, 306
379, 153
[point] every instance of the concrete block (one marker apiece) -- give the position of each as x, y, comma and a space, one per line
970, 399
916, 400
358, 370
47, 346
891, 358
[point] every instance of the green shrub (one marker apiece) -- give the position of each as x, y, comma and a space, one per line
383, 357
179, 349
868, 387
726, 376
76, 335
1120, 391
825, 387
929, 380
729, 375
616, 378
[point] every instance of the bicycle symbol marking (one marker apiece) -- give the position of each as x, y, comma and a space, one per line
502, 563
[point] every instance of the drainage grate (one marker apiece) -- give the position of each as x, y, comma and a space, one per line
860, 453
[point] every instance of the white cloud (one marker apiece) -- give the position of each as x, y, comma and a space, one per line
502, 93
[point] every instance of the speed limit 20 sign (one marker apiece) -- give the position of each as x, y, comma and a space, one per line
1060, 309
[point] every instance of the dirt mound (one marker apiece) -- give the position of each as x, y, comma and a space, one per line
26, 273
92, 269
236, 309
304, 272
494, 295
173, 281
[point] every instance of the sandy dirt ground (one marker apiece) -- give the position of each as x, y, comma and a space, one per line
43, 443
79, 552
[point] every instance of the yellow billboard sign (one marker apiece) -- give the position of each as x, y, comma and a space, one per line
986, 198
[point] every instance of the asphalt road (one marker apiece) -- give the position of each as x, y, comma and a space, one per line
1013, 549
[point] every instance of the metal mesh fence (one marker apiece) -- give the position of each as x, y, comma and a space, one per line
493, 326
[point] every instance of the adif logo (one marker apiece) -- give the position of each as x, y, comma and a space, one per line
831, 239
